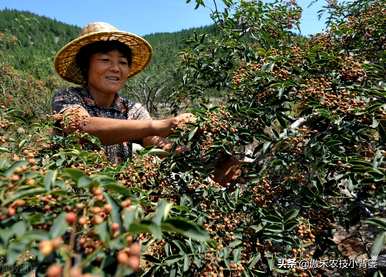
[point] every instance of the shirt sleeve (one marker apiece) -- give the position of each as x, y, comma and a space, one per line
64, 99
138, 112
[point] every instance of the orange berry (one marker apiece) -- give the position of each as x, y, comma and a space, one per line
54, 270
133, 262
46, 247
14, 177
30, 182
57, 242
126, 203
11, 211
135, 249
96, 210
97, 191
99, 197
123, 258
18, 203
115, 227
97, 219
83, 220
76, 272
108, 208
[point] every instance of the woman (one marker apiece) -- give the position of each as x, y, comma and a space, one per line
101, 60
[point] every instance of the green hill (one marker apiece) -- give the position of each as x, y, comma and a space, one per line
28, 42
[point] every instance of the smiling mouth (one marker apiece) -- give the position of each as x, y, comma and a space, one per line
112, 78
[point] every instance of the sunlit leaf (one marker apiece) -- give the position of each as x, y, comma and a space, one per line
162, 211
49, 179
378, 244
185, 228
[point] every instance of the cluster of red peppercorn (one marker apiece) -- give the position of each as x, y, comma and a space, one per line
264, 192
343, 101
143, 170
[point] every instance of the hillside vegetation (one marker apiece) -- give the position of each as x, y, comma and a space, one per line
300, 133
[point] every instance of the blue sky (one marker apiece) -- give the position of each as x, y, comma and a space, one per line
140, 16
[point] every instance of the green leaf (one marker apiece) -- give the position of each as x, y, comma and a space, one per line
235, 243
192, 133
3, 149
146, 227
49, 179
378, 244
35, 235
115, 213
22, 143
187, 263
130, 215
19, 228
274, 229
23, 194
118, 189
13, 252
253, 261
158, 152
282, 121
162, 211
5, 235
84, 182
268, 67
290, 225
151, 258
380, 222
185, 228
73, 173
59, 226
172, 259
102, 232
13, 167
291, 214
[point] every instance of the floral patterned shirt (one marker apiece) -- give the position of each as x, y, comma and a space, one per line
122, 108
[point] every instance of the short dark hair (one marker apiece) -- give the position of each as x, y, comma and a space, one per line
84, 54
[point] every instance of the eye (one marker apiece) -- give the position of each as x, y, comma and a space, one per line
123, 62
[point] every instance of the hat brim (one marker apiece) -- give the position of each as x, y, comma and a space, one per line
66, 66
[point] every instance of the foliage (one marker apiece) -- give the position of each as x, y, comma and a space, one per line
301, 120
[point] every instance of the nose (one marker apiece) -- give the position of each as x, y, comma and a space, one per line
115, 66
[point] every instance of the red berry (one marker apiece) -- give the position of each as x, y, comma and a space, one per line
71, 218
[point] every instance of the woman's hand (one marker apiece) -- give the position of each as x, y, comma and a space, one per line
166, 126
183, 119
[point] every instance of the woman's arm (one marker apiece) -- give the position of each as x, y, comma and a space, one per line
113, 131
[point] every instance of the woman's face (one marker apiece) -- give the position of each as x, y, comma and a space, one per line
107, 72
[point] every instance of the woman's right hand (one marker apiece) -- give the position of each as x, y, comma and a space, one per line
165, 127
181, 120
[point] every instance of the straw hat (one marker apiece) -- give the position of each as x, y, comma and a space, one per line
66, 66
